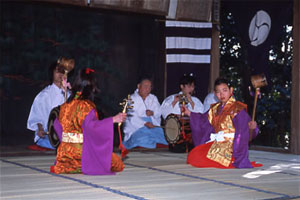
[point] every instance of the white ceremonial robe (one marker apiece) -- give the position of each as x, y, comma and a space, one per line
134, 120
50, 97
167, 108
209, 99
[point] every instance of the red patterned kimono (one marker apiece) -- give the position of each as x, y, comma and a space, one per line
69, 153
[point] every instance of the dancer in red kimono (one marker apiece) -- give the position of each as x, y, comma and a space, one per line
221, 135
86, 142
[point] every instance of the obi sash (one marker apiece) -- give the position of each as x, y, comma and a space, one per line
72, 137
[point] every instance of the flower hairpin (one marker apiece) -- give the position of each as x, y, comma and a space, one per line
65, 84
77, 95
89, 70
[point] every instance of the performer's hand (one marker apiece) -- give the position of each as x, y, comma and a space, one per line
149, 125
252, 125
149, 112
41, 132
121, 117
176, 99
186, 110
190, 100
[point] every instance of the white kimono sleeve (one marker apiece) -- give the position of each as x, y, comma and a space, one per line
166, 107
198, 107
155, 107
134, 119
39, 113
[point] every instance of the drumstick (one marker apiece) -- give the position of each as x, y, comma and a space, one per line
255, 102
253, 112
257, 81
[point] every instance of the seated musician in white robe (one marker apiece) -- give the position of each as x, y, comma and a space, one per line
142, 126
49, 98
210, 99
171, 105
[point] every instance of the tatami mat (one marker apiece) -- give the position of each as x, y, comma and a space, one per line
154, 175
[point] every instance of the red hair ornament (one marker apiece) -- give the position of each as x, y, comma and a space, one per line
89, 70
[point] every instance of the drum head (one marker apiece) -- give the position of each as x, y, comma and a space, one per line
172, 129
53, 138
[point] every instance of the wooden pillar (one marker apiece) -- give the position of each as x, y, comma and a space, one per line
215, 57
295, 107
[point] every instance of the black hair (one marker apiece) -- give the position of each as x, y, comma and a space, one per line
221, 80
86, 84
51, 69
143, 78
53, 66
187, 79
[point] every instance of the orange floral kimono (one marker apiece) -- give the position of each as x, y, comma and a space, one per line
80, 150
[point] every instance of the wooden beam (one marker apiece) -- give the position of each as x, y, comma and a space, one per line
295, 107
191, 10
215, 57
215, 46
66, 2
154, 7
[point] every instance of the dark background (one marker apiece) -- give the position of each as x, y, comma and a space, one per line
121, 47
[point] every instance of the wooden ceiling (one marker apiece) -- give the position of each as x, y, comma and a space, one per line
186, 10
